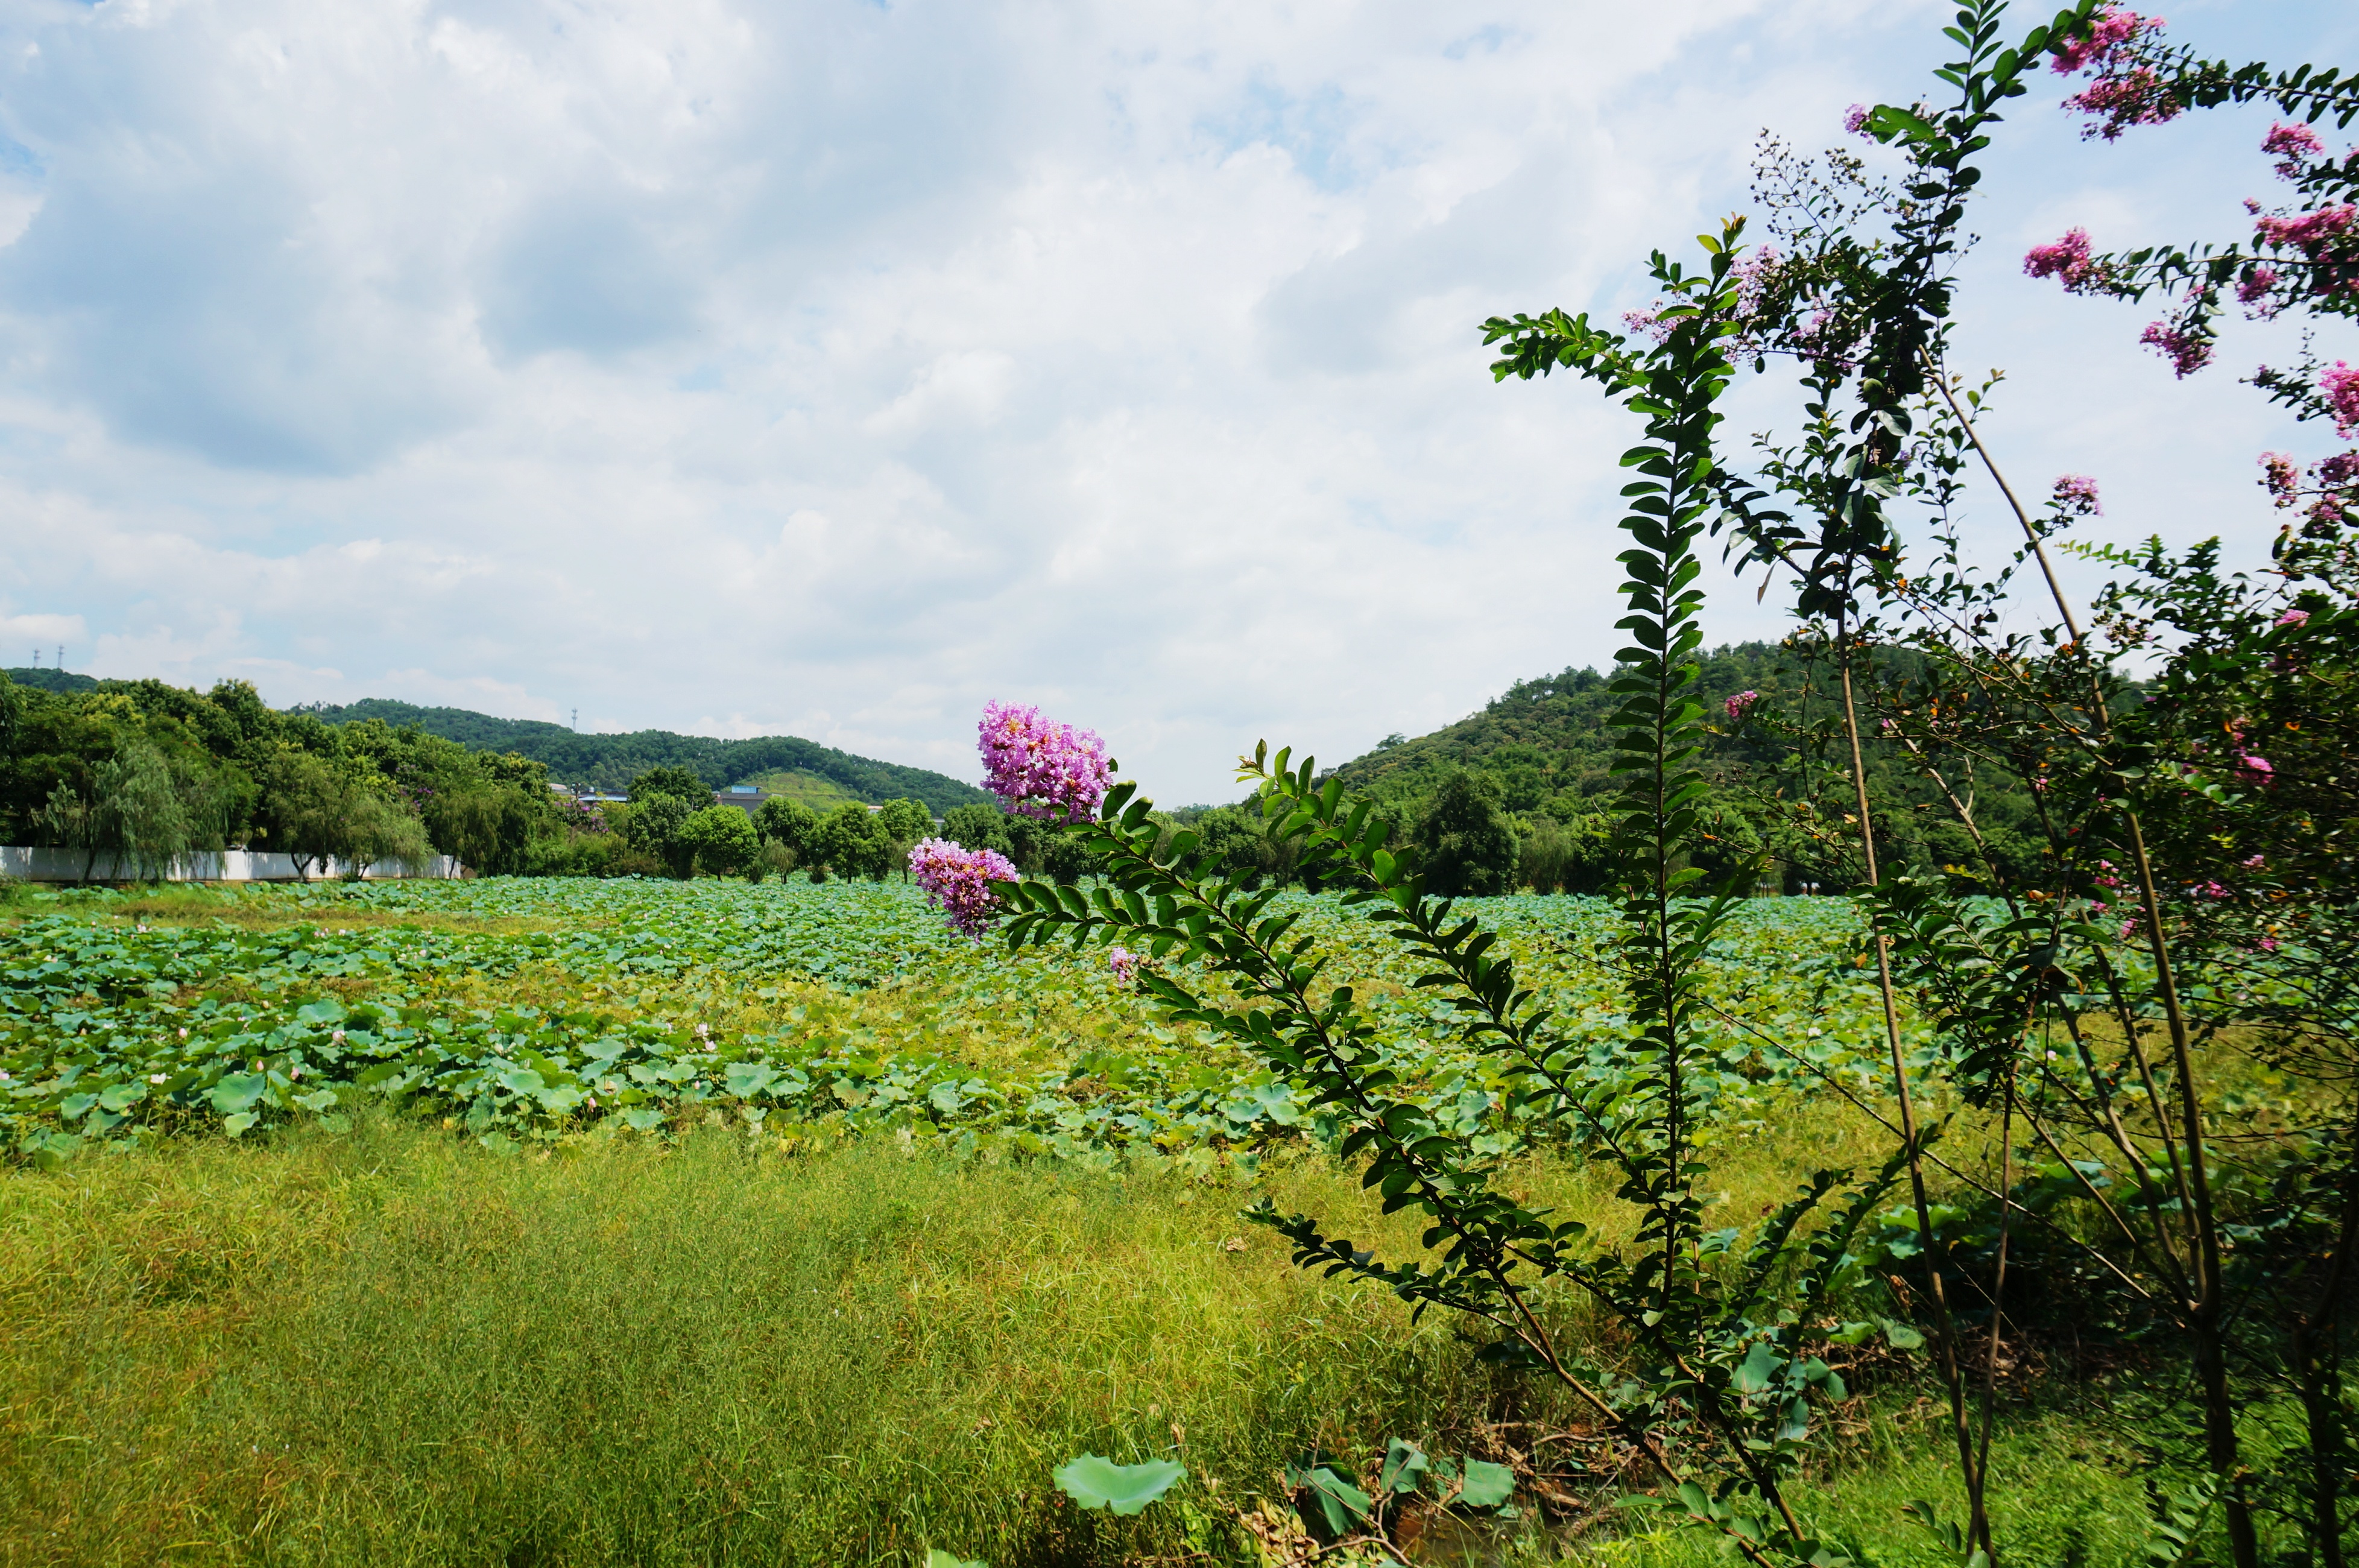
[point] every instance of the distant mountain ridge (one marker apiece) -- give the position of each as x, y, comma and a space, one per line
44, 679
612, 761
803, 770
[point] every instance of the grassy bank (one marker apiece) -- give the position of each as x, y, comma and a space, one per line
388, 1347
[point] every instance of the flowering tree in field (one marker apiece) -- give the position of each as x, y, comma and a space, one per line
2191, 744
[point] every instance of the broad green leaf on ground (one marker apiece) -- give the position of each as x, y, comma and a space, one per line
1096, 1483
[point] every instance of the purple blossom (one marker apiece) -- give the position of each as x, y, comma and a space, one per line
2292, 619
1124, 965
1855, 119
1645, 324
2123, 93
2253, 291
2187, 351
958, 881
2278, 476
2113, 31
1040, 767
2341, 385
2292, 144
2076, 493
1742, 705
2066, 260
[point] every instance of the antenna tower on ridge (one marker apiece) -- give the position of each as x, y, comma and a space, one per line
577, 718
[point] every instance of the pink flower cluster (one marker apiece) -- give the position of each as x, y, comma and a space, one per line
1040, 767
2312, 233
2254, 289
2337, 476
2068, 261
2341, 385
1855, 119
2114, 30
2293, 619
1742, 703
1124, 965
958, 881
2124, 94
2076, 493
2293, 145
2187, 351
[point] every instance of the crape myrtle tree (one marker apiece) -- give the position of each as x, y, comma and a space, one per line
2140, 1073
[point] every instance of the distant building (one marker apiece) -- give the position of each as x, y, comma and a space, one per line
746, 798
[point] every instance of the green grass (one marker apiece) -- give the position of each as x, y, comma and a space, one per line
365, 1336
389, 1346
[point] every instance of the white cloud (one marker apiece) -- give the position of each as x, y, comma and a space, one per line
829, 369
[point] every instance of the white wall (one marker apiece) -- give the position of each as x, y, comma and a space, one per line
223, 866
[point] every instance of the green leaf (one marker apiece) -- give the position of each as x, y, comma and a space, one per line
747, 1079
937, 1558
328, 1011
1758, 1369
1341, 1504
1097, 1483
237, 1092
1404, 1464
1900, 1336
1486, 1484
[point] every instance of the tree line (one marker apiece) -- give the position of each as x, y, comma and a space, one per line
137, 775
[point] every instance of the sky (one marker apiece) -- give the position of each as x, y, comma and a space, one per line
833, 367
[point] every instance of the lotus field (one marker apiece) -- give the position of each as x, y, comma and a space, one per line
541, 1221
548, 1012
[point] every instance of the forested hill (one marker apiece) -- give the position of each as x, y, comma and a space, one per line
1544, 748
1543, 738
612, 761
44, 679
